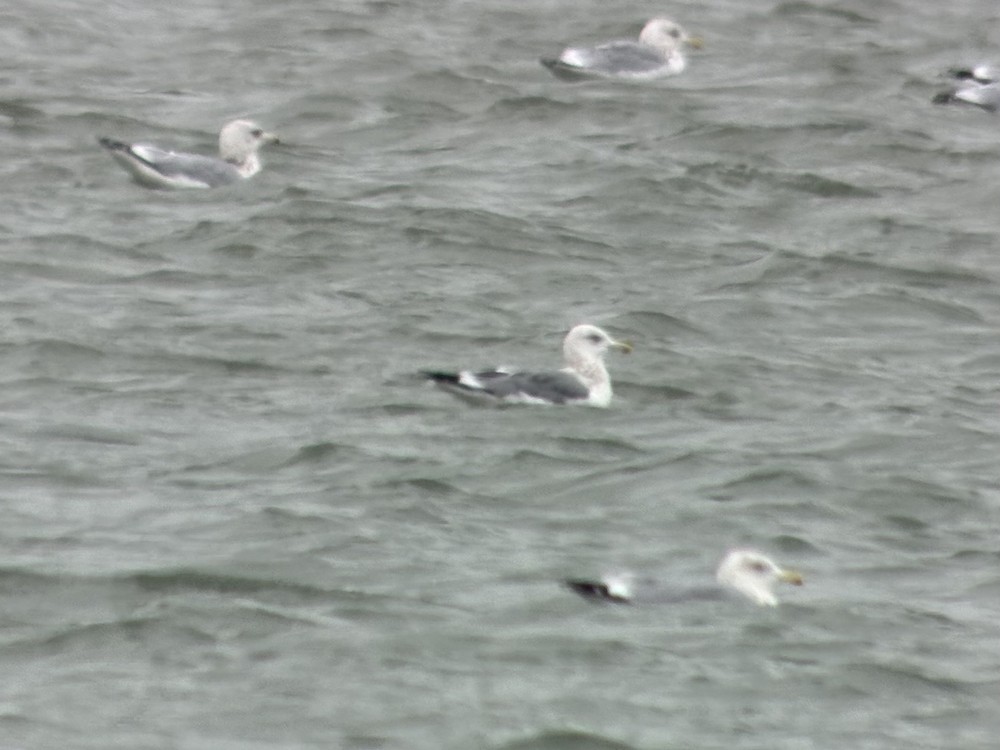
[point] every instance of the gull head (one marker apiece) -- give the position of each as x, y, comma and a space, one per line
239, 142
667, 36
590, 343
754, 575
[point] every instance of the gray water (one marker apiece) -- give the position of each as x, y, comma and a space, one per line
234, 517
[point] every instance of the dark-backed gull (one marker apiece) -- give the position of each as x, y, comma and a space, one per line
584, 380
745, 571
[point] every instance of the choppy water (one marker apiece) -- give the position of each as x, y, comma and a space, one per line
233, 518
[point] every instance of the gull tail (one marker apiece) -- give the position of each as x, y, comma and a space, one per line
112, 145
441, 377
562, 70
595, 591
134, 160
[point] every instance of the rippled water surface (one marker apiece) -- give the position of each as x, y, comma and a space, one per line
234, 517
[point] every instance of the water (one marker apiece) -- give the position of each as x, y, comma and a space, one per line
233, 516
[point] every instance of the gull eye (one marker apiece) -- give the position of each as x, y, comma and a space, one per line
594, 339
758, 567
675, 33
256, 132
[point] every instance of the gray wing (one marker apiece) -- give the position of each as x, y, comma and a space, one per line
499, 385
212, 172
658, 594
617, 58
555, 387
644, 592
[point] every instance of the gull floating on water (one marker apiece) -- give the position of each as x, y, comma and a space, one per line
657, 53
746, 571
153, 167
584, 380
979, 86
979, 74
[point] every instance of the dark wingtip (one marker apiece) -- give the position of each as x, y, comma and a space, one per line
112, 145
594, 591
563, 71
439, 376
948, 97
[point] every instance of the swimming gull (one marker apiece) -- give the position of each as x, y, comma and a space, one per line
657, 53
979, 74
979, 86
153, 167
745, 571
584, 380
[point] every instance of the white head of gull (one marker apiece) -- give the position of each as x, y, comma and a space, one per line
754, 575
239, 143
584, 349
745, 571
658, 52
584, 380
668, 37
150, 166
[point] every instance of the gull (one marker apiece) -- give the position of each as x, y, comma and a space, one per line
745, 571
154, 167
978, 73
584, 380
979, 86
658, 52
